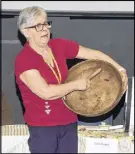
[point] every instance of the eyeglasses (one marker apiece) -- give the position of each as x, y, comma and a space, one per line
39, 27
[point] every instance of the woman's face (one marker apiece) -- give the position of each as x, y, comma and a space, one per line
40, 35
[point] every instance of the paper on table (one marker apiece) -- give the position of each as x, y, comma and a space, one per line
101, 145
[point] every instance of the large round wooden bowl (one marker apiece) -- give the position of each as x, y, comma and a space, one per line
104, 93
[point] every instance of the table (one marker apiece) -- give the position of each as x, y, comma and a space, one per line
14, 140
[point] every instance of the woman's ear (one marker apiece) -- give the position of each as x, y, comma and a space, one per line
25, 33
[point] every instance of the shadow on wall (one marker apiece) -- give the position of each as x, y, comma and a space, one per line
18, 93
21, 38
7, 116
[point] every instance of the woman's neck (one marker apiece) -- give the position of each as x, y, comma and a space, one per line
38, 49
44, 52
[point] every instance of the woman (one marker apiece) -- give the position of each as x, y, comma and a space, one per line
41, 70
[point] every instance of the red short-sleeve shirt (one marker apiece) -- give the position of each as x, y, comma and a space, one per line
39, 112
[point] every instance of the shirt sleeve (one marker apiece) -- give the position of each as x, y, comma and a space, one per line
70, 47
23, 64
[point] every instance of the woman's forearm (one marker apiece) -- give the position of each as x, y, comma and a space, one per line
59, 91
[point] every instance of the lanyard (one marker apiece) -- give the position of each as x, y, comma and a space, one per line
58, 77
58, 70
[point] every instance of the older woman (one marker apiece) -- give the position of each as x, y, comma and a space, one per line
41, 70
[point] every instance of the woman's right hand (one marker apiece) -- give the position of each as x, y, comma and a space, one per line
82, 84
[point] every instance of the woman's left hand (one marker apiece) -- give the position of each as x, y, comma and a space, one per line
124, 78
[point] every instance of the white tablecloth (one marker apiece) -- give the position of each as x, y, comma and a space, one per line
15, 144
18, 144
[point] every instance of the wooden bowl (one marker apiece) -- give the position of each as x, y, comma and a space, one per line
105, 89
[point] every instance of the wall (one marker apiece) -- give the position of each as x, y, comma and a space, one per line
114, 37
73, 5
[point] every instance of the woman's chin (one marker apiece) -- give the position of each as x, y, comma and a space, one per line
44, 41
